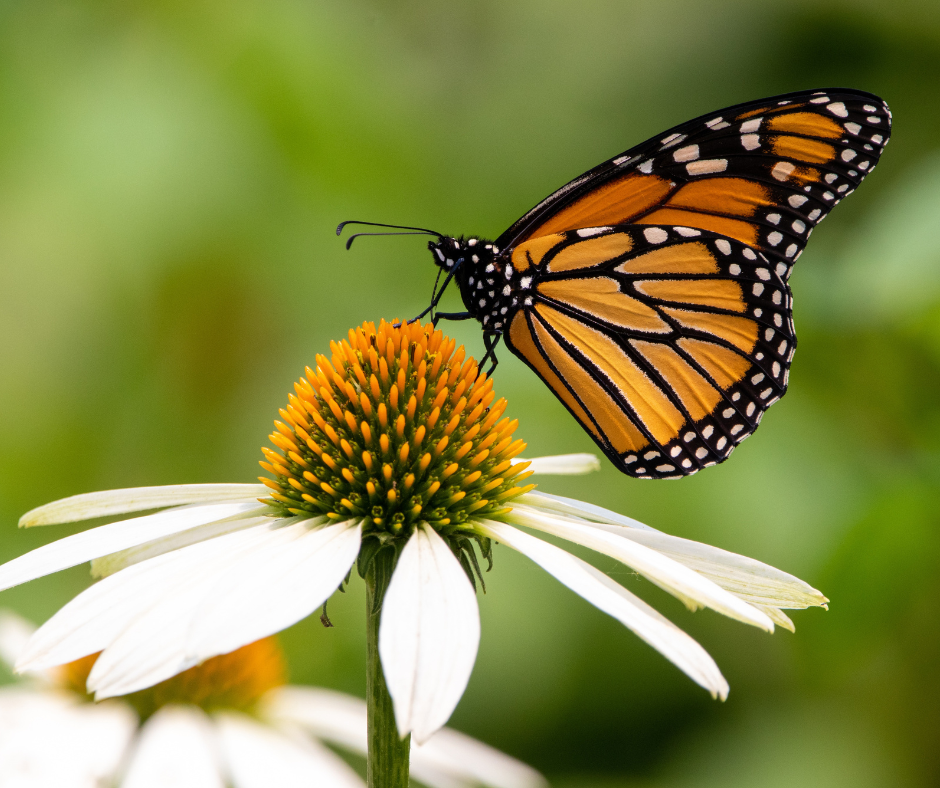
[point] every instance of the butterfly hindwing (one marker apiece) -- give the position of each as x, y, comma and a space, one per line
666, 342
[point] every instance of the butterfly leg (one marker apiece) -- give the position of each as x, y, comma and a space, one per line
490, 341
450, 316
436, 295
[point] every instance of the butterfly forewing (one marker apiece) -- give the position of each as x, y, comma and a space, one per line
667, 343
764, 173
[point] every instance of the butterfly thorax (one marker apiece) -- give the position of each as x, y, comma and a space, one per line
490, 287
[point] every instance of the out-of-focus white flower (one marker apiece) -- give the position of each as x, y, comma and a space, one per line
397, 445
230, 721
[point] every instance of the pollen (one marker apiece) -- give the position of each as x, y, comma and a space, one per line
397, 426
230, 681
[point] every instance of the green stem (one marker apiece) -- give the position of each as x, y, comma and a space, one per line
387, 763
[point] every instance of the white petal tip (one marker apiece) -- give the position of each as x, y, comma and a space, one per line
564, 464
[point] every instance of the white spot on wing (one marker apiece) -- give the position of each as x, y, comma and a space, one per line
838, 109
796, 200
688, 232
750, 141
587, 232
655, 235
848, 154
688, 153
723, 246
706, 166
782, 170
750, 126
646, 167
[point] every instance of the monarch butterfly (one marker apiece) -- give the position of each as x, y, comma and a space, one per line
650, 294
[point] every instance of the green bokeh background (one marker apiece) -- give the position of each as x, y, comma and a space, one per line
170, 177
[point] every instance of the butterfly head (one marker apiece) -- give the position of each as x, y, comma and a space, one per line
449, 253
452, 253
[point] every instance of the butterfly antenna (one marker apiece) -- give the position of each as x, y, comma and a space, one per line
412, 230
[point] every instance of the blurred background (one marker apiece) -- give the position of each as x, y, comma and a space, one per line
171, 174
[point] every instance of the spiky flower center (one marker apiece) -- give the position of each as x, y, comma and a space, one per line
230, 681
398, 428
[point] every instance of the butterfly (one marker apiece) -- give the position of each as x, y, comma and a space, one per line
650, 294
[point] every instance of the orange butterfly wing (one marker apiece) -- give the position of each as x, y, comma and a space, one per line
659, 311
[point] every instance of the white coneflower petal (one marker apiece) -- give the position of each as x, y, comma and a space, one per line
668, 574
327, 714
136, 499
564, 464
428, 635
81, 547
580, 509
447, 760
49, 741
274, 589
155, 645
776, 615
175, 748
115, 562
258, 757
752, 580
92, 620
616, 601
451, 754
